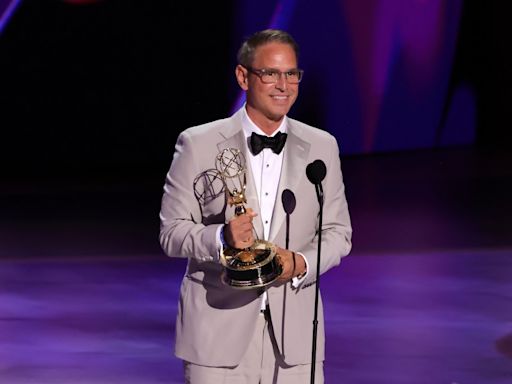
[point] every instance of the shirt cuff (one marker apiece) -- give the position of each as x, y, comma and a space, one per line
221, 243
296, 281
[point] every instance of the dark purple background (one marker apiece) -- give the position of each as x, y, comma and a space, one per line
110, 84
92, 97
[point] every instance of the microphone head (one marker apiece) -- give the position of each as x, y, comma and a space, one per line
289, 202
316, 171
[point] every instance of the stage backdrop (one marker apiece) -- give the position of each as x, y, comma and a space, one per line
111, 83
377, 72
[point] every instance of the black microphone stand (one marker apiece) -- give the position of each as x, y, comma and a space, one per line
320, 195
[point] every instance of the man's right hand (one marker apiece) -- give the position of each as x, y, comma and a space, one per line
238, 232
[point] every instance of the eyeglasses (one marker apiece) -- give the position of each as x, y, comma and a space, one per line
272, 76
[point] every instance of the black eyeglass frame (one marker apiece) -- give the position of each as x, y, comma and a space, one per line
274, 72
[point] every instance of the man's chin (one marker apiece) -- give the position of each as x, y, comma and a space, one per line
277, 114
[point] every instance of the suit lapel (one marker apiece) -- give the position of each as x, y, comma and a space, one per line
295, 155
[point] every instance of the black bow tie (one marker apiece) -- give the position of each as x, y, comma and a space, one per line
276, 143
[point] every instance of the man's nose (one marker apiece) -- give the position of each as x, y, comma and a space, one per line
281, 83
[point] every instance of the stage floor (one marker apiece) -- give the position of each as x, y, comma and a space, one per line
86, 295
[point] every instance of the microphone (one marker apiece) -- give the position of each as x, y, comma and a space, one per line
316, 172
289, 203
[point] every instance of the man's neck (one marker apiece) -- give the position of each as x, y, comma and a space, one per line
268, 126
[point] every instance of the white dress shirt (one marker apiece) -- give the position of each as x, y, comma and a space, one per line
266, 170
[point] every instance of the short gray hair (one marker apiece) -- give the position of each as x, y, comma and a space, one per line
245, 54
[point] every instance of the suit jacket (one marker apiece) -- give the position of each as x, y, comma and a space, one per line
215, 322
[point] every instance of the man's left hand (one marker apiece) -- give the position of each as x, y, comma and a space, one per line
291, 267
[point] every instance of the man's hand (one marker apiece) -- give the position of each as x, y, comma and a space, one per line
292, 266
238, 232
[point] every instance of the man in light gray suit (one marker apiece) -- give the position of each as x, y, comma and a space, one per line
230, 335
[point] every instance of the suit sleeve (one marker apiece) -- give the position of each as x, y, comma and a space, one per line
182, 234
336, 225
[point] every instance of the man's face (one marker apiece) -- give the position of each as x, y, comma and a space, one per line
269, 101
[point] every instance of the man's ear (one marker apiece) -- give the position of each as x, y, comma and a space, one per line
241, 77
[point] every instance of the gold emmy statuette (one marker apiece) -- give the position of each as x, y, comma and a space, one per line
257, 265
